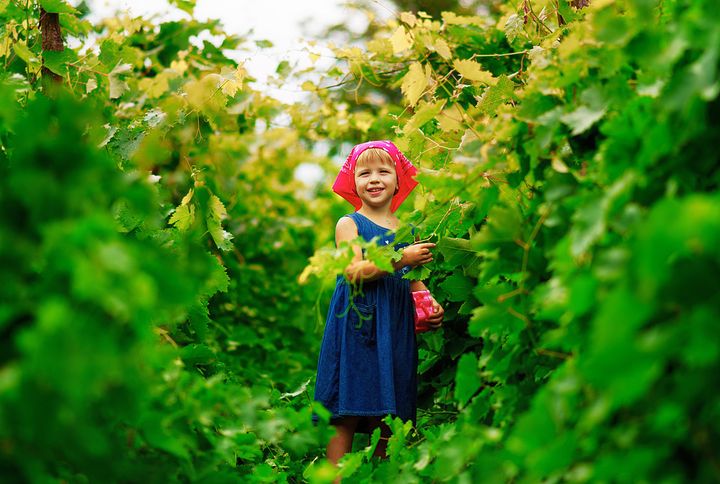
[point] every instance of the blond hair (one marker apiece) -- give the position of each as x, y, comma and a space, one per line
375, 154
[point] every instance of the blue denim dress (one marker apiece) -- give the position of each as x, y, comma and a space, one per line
368, 358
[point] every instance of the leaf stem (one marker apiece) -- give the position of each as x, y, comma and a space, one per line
504, 54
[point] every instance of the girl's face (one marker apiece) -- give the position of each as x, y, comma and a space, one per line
375, 181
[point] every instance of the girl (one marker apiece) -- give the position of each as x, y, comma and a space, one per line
367, 367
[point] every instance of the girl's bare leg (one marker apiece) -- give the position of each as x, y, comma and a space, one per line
385, 433
341, 443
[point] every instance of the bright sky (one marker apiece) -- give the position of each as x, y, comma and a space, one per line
286, 23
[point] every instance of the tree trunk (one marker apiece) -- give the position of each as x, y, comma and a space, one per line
51, 39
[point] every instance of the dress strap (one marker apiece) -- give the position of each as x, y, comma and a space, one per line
360, 222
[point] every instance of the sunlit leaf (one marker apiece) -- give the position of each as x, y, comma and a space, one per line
401, 40
117, 85
414, 83
424, 113
473, 71
443, 48
513, 26
451, 18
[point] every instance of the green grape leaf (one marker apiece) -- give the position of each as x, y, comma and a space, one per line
382, 256
419, 273
467, 378
456, 252
457, 287
153, 429
582, 118
23, 52
504, 224
592, 110
57, 6
495, 96
197, 354
57, 61
199, 320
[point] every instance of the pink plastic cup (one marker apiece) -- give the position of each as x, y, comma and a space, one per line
423, 310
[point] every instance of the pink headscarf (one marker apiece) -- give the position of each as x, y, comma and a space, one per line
345, 182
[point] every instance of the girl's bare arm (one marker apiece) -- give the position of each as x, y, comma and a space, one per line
364, 270
418, 286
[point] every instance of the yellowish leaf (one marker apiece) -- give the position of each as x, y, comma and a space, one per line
363, 121
23, 52
559, 166
91, 85
513, 26
380, 46
232, 80
204, 94
6, 44
473, 71
188, 196
451, 18
130, 24
217, 208
117, 85
442, 48
408, 18
420, 203
424, 113
414, 83
599, 4
156, 86
450, 119
184, 215
179, 66
401, 40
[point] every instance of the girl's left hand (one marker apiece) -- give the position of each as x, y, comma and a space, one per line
435, 320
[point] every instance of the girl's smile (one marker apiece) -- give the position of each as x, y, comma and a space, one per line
375, 191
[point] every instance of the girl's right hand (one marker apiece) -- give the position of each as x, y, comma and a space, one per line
417, 254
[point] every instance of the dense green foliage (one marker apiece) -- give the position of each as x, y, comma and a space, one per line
156, 321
